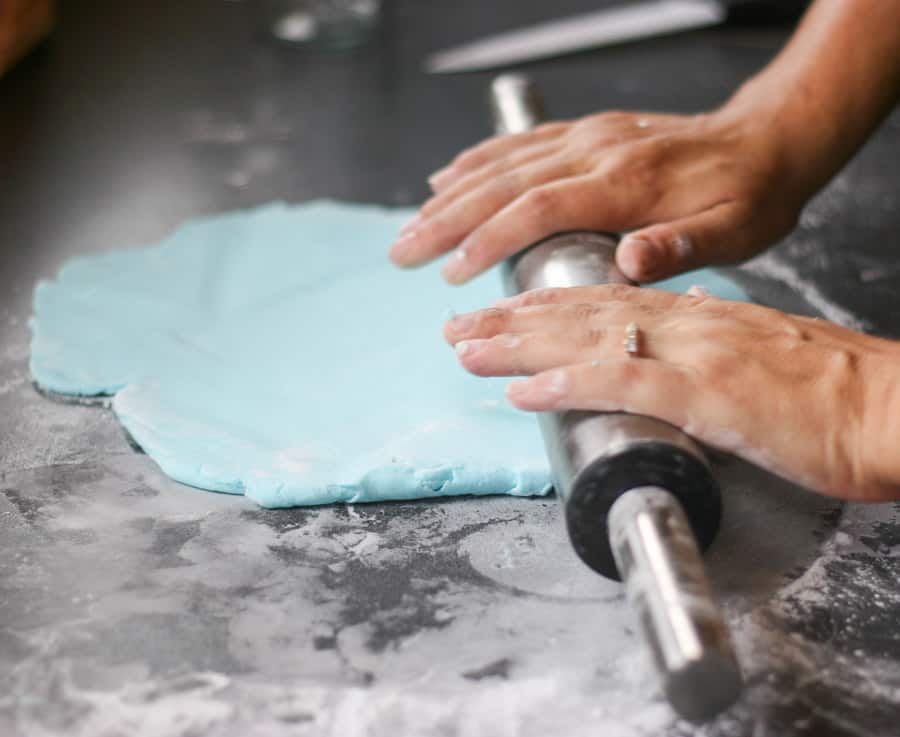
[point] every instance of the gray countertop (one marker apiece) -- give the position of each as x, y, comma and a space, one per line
131, 605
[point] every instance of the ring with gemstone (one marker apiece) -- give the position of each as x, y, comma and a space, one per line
632, 339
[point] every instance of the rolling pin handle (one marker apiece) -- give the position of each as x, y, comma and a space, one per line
667, 586
516, 104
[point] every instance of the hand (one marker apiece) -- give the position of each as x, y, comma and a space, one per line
692, 190
806, 399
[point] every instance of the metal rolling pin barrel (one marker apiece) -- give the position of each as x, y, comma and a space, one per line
638, 494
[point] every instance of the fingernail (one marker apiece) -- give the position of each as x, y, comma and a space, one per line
434, 181
468, 347
404, 249
555, 383
456, 269
640, 259
463, 323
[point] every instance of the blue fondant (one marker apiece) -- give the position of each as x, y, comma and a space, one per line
276, 353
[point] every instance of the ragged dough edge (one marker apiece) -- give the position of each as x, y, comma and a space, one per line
394, 482
44, 357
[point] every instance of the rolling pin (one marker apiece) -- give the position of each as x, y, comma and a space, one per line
639, 498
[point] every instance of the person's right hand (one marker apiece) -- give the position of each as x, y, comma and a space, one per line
807, 399
687, 190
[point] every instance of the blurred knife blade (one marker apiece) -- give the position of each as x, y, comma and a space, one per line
579, 32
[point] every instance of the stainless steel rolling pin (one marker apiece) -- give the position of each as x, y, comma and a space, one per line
638, 493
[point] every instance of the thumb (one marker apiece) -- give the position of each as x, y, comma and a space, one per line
722, 234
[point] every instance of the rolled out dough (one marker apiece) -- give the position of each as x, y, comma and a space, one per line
276, 353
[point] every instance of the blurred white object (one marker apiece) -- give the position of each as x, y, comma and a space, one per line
335, 24
576, 33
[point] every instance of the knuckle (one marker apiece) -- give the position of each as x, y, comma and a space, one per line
617, 292
592, 338
614, 165
467, 162
608, 119
507, 341
583, 313
631, 372
617, 117
570, 166
552, 128
715, 363
464, 159
476, 155
501, 354
494, 319
431, 205
543, 203
436, 230
550, 295
507, 183
844, 365
793, 330
636, 165
623, 312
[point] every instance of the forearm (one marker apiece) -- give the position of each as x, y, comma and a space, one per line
829, 88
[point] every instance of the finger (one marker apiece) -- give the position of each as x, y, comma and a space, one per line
510, 354
675, 395
569, 320
524, 353
591, 295
470, 181
491, 149
569, 204
635, 385
722, 234
427, 239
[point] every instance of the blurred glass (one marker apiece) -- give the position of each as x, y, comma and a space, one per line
332, 24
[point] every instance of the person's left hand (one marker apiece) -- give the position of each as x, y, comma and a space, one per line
685, 190
807, 399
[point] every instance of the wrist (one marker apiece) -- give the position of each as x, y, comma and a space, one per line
830, 86
881, 421
770, 147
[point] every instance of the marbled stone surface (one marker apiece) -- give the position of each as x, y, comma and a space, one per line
130, 605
